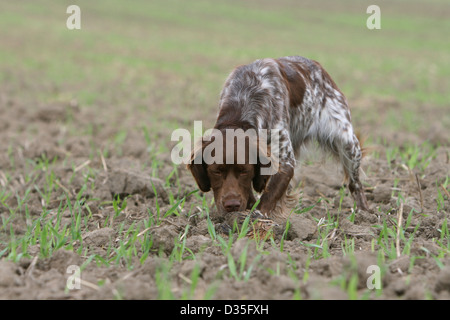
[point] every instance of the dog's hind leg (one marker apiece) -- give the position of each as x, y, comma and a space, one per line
350, 155
336, 134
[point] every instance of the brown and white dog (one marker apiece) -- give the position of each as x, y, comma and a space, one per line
294, 96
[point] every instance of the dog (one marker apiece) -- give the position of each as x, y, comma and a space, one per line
294, 97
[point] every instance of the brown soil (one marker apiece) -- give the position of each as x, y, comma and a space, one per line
277, 274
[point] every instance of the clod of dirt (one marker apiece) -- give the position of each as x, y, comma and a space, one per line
443, 280
237, 217
8, 274
137, 288
400, 264
319, 289
53, 112
275, 260
188, 267
283, 284
42, 146
416, 291
382, 194
259, 225
300, 227
364, 217
241, 245
356, 230
398, 286
99, 238
126, 182
151, 265
411, 203
360, 263
201, 227
198, 242
62, 259
163, 237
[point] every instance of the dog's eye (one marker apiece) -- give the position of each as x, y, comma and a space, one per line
217, 171
244, 172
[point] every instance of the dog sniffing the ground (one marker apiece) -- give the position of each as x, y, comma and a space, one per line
293, 97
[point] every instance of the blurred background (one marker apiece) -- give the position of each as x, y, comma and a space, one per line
86, 118
140, 69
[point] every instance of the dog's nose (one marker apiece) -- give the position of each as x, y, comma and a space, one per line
232, 205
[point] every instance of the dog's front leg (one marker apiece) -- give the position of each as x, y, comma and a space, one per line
275, 189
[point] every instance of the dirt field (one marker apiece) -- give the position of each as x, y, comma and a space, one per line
87, 180
280, 274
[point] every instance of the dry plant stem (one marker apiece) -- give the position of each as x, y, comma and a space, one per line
105, 168
62, 187
399, 225
445, 190
420, 192
81, 166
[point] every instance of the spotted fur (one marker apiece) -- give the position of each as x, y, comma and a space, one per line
296, 96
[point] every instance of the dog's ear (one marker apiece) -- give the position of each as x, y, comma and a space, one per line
198, 169
260, 180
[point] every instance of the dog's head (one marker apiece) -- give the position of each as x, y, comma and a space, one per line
231, 168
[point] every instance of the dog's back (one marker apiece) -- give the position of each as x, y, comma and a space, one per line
297, 98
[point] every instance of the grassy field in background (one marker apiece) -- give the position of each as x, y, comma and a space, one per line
137, 71
202, 41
